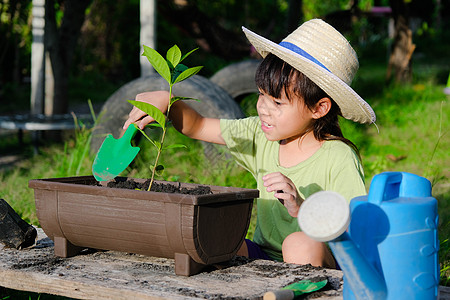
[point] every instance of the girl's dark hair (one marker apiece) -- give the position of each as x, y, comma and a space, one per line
274, 76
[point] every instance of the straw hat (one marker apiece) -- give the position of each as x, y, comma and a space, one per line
321, 53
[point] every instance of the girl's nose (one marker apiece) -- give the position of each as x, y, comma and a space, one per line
261, 105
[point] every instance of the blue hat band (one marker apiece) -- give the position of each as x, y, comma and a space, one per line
303, 53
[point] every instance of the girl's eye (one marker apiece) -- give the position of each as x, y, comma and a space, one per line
277, 103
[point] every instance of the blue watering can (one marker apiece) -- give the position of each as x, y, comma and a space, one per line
386, 243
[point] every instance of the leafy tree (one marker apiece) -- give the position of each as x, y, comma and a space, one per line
109, 41
110, 33
15, 39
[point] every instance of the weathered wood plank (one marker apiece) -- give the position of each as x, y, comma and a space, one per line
40, 283
444, 293
116, 275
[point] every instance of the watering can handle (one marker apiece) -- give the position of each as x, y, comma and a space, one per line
390, 185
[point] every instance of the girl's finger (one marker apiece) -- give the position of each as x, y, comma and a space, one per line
134, 116
272, 179
272, 175
283, 186
281, 195
145, 121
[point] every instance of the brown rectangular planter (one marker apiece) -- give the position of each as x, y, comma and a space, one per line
195, 230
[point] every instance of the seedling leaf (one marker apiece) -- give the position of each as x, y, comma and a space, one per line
177, 71
171, 67
188, 73
182, 98
174, 55
175, 146
187, 54
156, 125
175, 99
159, 169
151, 111
158, 62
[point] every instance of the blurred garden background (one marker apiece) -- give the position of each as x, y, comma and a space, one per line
94, 49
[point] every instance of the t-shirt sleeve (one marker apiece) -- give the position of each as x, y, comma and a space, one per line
348, 175
239, 136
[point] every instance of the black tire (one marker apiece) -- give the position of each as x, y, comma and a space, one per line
214, 102
238, 78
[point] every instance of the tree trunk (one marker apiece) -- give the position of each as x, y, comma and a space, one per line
399, 65
148, 33
61, 43
295, 15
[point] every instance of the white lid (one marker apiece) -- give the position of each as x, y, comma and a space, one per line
324, 216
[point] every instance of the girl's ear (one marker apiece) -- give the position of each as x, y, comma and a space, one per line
322, 107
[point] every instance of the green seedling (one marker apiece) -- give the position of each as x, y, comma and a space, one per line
173, 72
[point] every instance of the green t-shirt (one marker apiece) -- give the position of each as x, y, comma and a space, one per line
334, 167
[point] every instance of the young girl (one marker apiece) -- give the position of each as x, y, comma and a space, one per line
295, 146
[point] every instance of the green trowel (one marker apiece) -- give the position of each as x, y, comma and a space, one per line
294, 290
115, 155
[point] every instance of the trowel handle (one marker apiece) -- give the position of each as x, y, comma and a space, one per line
130, 132
279, 295
390, 185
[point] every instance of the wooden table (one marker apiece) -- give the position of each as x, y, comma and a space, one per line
116, 275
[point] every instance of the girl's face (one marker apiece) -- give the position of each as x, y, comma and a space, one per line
282, 119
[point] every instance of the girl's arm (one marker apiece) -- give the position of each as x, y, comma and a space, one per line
184, 118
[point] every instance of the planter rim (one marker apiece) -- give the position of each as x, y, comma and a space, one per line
81, 184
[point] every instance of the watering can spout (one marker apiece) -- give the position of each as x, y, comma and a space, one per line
361, 276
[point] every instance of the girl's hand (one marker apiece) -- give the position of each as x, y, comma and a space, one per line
285, 191
159, 99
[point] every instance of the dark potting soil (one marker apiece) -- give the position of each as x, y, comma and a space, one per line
124, 183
